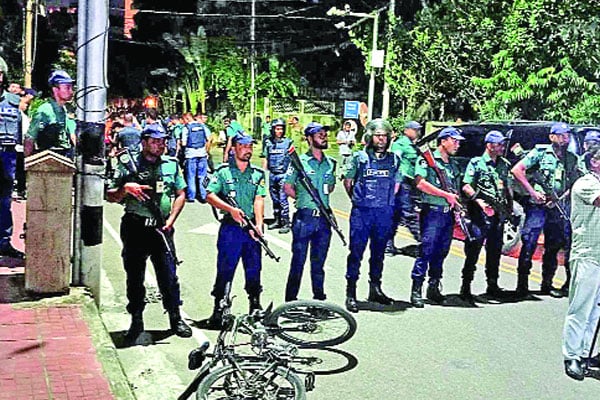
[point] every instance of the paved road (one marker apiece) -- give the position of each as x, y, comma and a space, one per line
505, 350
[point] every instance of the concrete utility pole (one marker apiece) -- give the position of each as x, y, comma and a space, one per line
28, 52
385, 104
372, 78
374, 15
252, 61
91, 110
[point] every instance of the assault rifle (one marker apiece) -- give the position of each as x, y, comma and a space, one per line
124, 157
552, 198
314, 194
459, 213
251, 227
502, 207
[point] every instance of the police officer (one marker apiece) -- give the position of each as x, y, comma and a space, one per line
436, 218
554, 171
155, 193
232, 129
195, 139
308, 226
486, 179
371, 180
277, 161
405, 203
10, 137
265, 130
129, 137
246, 184
51, 127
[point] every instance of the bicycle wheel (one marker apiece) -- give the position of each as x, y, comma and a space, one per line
312, 324
251, 381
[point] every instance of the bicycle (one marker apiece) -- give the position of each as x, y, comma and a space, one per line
269, 371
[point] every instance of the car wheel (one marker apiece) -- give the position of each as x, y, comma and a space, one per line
512, 230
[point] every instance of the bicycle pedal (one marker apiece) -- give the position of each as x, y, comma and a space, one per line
309, 382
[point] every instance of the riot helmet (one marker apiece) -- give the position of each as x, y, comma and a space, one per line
277, 122
376, 125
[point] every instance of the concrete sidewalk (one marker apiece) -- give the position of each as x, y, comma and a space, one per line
58, 349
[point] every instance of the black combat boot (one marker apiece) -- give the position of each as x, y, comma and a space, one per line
276, 224
416, 298
215, 321
493, 290
391, 249
465, 293
351, 304
376, 295
254, 301
285, 226
178, 326
136, 327
522, 285
433, 292
547, 289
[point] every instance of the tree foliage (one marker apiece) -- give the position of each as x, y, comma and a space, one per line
217, 65
500, 59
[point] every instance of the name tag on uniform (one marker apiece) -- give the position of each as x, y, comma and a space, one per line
558, 174
377, 172
325, 188
160, 187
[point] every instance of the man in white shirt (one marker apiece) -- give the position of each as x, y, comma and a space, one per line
346, 140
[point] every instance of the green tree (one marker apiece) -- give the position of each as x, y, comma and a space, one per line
545, 66
281, 79
495, 59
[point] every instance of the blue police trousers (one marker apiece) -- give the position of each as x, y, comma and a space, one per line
404, 210
488, 229
196, 169
8, 167
314, 230
233, 243
139, 243
557, 235
437, 227
281, 205
368, 224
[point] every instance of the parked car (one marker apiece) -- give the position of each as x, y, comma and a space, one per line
527, 134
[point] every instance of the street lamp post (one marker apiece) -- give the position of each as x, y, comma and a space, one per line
374, 15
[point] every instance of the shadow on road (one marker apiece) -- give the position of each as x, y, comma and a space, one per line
146, 338
397, 305
331, 359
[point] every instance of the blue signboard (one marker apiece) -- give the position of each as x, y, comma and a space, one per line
351, 109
